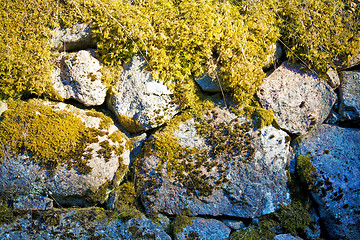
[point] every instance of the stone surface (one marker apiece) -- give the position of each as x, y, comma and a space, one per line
333, 117
19, 174
89, 223
32, 202
335, 152
234, 171
234, 224
77, 76
140, 102
206, 229
286, 237
3, 107
273, 59
334, 79
72, 39
349, 106
208, 84
299, 99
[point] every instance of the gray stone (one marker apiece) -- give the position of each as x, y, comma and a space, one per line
234, 224
349, 106
299, 99
32, 202
335, 154
19, 174
333, 78
208, 84
206, 229
333, 118
88, 223
286, 237
137, 142
76, 38
77, 76
274, 57
140, 102
242, 174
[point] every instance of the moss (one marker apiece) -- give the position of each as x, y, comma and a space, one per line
51, 137
252, 233
306, 170
261, 117
6, 213
126, 195
100, 195
130, 124
127, 212
86, 216
180, 222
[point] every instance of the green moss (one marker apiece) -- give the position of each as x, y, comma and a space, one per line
306, 170
180, 222
126, 195
127, 212
51, 137
100, 195
6, 213
261, 117
130, 124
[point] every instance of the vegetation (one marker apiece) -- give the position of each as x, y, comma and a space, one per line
306, 170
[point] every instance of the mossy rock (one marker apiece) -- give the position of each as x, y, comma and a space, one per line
58, 149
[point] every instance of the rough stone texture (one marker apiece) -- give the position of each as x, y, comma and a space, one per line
333, 117
274, 58
334, 79
72, 39
77, 75
88, 223
335, 152
355, 60
20, 175
206, 229
32, 202
234, 224
349, 106
140, 102
299, 99
286, 237
252, 178
208, 84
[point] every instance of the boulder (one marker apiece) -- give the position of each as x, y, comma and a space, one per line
200, 228
299, 99
86, 223
32, 202
77, 170
349, 106
77, 76
78, 37
334, 152
216, 165
139, 102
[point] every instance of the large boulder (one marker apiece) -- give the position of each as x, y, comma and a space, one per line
299, 99
215, 165
59, 150
349, 106
334, 153
78, 37
77, 76
86, 223
200, 228
140, 102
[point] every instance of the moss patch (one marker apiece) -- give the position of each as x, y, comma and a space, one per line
306, 170
261, 117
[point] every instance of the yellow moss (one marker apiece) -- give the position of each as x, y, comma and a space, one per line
306, 170
130, 124
261, 117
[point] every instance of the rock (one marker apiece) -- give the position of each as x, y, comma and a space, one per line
137, 142
77, 76
333, 118
286, 237
200, 228
273, 58
355, 60
215, 166
350, 95
87, 223
32, 202
299, 99
72, 39
333, 78
140, 102
208, 84
3, 107
234, 224
335, 152
341, 63
81, 180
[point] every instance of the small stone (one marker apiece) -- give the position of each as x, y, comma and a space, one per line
334, 79
208, 84
234, 224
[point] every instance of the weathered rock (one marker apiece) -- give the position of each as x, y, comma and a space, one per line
208, 83
234, 224
77, 76
333, 78
20, 174
206, 229
333, 118
140, 102
335, 154
274, 58
299, 99
88, 223
286, 237
349, 106
342, 64
72, 39
227, 169
32, 202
